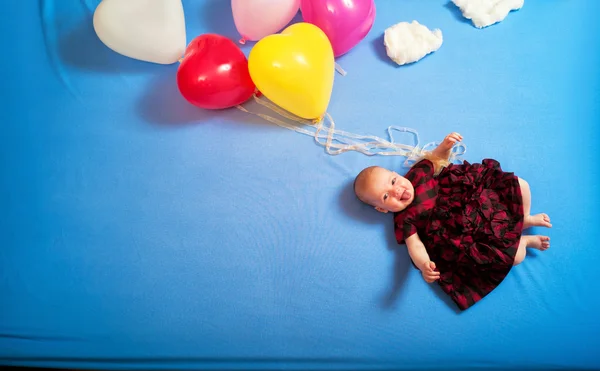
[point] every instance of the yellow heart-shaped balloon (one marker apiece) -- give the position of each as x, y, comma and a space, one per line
295, 69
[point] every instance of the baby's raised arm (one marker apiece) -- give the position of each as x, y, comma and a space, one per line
419, 256
444, 149
441, 154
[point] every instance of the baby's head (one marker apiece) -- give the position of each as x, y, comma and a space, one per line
383, 189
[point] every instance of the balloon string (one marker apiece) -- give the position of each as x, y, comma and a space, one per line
338, 141
340, 70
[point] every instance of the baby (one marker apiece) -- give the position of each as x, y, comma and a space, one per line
462, 224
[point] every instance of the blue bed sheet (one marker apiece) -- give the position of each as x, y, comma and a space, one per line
140, 232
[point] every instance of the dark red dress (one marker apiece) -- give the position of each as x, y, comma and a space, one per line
470, 219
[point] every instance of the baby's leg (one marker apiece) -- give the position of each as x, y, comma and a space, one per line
537, 242
538, 220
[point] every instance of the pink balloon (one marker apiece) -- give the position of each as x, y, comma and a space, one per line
345, 22
255, 19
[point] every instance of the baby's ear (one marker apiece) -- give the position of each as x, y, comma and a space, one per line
381, 210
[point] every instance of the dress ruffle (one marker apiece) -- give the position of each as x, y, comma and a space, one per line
475, 229
470, 219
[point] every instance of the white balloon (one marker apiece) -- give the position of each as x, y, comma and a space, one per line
148, 30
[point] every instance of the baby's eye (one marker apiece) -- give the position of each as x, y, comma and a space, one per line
385, 196
393, 181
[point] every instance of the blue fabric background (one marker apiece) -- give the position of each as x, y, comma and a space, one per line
139, 232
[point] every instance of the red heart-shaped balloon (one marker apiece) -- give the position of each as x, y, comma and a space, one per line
214, 74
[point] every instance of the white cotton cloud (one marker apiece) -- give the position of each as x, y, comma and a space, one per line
485, 13
409, 42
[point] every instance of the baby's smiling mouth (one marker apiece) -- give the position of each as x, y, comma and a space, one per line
405, 195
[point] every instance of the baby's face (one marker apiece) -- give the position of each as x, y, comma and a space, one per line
387, 191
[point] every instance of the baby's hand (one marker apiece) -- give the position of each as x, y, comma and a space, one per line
443, 150
429, 273
450, 140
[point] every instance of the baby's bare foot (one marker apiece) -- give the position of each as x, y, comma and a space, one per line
538, 242
538, 220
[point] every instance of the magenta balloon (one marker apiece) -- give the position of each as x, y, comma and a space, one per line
345, 22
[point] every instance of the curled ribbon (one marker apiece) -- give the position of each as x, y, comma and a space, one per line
339, 141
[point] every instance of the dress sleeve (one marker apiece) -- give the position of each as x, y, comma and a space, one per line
437, 163
404, 226
420, 172
405, 220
